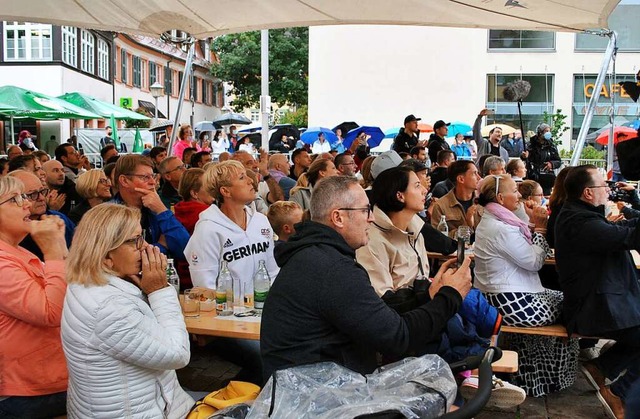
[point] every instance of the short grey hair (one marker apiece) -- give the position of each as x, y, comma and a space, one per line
331, 193
491, 163
540, 129
162, 167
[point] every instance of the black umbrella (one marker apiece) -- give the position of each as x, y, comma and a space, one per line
345, 127
206, 126
231, 118
254, 137
284, 129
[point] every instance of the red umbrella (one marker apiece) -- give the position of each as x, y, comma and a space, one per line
619, 134
425, 127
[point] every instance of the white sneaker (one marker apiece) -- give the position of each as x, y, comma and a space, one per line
503, 395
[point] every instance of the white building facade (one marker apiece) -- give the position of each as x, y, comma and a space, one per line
376, 75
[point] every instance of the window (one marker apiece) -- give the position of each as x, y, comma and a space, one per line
218, 95
124, 64
539, 100
205, 92
180, 77
168, 82
255, 115
511, 39
69, 45
87, 43
153, 73
622, 20
103, 59
27, 41
136, 71
583, 87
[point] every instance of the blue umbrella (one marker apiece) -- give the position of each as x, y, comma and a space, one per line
392, 132
633, 124
458, 127
311, 135
375, 133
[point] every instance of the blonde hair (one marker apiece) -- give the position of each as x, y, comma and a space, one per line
191, 180
87, 183
182, 132
365, 171
527, 188
279, 214
221, 175
302, 183
10, 184
102, 229
488, 192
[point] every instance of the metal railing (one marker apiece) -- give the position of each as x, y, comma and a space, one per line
599, 163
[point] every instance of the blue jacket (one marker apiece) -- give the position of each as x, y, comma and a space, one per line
69, 229
165, 224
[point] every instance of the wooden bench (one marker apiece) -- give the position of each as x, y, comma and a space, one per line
555, 330
507, 364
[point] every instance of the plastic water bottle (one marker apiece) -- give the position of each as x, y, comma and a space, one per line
261, 285
442, 225
224, 291
172, 276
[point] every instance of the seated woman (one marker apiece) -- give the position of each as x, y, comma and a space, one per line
508, 257
517, 169
195, 199
95, 188
319, 169
122, 328
530, 197
34, 371
396, 259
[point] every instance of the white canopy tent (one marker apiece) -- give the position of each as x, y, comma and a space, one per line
206, 18
210, 18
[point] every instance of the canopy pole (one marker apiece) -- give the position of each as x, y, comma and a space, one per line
13, 138
586, 122
183, 88
612, 115
265, 99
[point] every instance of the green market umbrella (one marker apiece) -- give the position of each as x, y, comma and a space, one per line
105, 109
137, 142
16, 102
114, 128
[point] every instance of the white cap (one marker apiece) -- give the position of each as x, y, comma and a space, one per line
387, 160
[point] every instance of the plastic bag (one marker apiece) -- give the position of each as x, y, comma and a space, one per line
416, 387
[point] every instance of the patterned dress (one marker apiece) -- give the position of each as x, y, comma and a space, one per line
547, 364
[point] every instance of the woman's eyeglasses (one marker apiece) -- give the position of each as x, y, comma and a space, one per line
104, 181
18, 199
137, 240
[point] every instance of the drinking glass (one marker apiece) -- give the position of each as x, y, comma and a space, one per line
191, 304
464, 234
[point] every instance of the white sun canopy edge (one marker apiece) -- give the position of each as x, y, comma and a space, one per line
210, 18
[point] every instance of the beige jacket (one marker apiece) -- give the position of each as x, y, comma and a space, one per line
392, 257
449, 206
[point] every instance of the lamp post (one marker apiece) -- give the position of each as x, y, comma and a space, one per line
157, 90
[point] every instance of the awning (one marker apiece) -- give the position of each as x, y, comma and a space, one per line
206, 19
151, 108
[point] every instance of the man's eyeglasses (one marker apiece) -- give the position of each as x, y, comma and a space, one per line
137, 240
351, 163
145, 178
18, 199
368, 209
32, 196
599, 186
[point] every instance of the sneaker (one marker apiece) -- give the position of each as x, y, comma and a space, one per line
503, 395
613, 405
593, 374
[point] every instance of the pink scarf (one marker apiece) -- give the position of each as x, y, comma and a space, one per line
508, 217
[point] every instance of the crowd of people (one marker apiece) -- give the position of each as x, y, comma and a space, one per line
92, 328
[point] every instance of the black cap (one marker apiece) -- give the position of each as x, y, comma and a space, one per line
415, 165
440, 124
411, 118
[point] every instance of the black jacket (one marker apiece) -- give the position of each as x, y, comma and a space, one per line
438, 175
541, 152
436, 144
322, 307
404, 142
597, 272
69, 189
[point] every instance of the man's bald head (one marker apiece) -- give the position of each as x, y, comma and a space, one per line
54, 172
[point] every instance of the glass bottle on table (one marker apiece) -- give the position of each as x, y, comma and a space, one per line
224, 291
442, 225
172, 276
261, 285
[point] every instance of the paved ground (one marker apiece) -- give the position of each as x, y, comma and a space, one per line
207, 372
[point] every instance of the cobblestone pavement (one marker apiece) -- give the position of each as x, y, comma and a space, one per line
208, 372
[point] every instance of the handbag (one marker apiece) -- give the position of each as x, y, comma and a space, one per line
234, 393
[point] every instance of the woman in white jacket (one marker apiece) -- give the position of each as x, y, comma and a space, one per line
508, 256
123, 333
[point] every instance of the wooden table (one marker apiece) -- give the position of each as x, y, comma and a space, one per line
549, 261
208, 324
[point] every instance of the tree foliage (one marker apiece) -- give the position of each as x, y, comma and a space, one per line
239, 56
299, 117
557, 123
